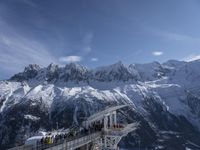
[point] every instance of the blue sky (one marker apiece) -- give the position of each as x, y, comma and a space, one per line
96, 32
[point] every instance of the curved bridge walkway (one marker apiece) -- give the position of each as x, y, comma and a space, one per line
107, 137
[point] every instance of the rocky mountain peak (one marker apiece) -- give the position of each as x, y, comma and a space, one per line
114, 72
174, 63
52, 67
75, 67
29, 72
165, 104
32, 67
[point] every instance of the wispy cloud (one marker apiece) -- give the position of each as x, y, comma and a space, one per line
94, 59
87, 42
70, 59
192, 57
88, 37
28, 2
87, 49
17, 51
177, 36
157, 53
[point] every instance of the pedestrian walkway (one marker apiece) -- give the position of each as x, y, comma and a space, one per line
100, 131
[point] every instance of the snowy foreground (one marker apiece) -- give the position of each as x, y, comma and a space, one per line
164, 98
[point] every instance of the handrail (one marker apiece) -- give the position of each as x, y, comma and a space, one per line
23, 147
73, 143
101, 114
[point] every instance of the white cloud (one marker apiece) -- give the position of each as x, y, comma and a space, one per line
157, 53
192, 58
94, 59
70, 59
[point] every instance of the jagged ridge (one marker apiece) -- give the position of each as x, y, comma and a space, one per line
164, 99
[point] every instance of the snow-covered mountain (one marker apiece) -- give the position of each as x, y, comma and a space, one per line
164, 98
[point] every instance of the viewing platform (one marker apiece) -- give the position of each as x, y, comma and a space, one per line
101, 131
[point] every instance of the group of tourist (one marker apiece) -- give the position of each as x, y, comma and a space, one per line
55, 138
118, 126
61, 137
96, 126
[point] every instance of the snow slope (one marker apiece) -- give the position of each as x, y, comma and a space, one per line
162, 97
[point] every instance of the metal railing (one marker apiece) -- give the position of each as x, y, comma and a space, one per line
69, 143
23, 147
78, 142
